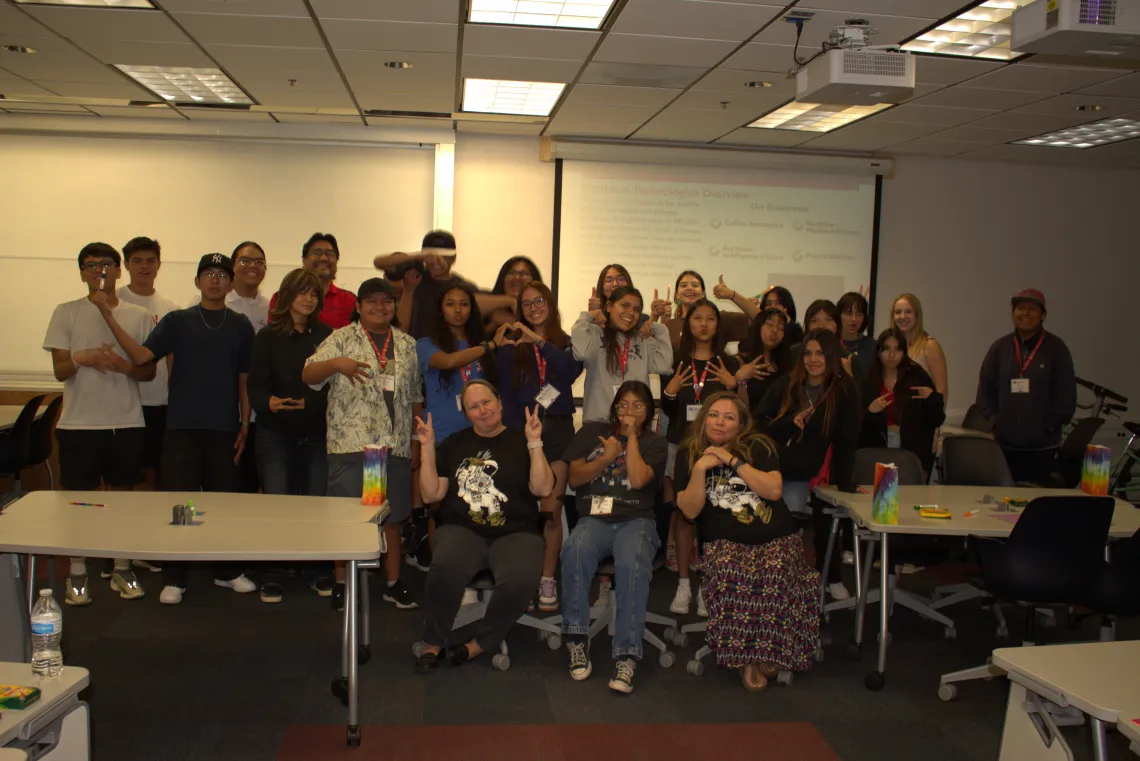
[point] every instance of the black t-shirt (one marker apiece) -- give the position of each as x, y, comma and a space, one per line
733, 511
211, 348
488, 488
677, 408
613, 482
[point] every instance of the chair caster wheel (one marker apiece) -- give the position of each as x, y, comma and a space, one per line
680, 639
854, 650
418, 649
501, 662
340, 689
947, 692
364, 654
354, 735
696, 668
785, 677
554, 641
666, 659
879, 637
950, 633
1003, 632
875, 681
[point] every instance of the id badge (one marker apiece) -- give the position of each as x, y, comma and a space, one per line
1019, 385
459, 402
600, 505
691, 412
546, 396
388, 383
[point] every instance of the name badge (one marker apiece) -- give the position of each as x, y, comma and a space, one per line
459, 402
600, 505
546, 396
691, 412
388, 383
1019, 385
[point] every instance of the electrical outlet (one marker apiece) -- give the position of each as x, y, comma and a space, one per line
799, 17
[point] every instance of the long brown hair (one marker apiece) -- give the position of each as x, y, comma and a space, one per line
833, 376
293, 285
601, 287
524, 365
697, 441
610, 333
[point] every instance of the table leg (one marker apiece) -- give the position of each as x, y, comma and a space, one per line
861, 599
1099, 741
31, 570
834, 530
352, 622
877, 679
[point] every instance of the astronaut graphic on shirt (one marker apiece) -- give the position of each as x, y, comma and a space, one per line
615, 473
475, 478
728, 491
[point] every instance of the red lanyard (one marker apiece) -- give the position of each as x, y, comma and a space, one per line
381, 354
541, 363
623, 358
1017, 348
699, 387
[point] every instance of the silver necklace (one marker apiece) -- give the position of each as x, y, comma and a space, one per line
202, 314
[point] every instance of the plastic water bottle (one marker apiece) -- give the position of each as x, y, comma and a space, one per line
47, 631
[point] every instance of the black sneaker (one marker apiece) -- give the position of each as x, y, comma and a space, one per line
323, 586
421, 558
271, 592
401, 596
338, 596
579, 650
108, 569
622, 680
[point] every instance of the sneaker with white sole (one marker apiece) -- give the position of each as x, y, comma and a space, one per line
603, 600
148, 565
908, 568
848, 557
580, 666
399, 595
681, 600
77, 591
622, 680
271, 593
548, 596
702, 611
838, 591
171, 595
241, 584
126, 584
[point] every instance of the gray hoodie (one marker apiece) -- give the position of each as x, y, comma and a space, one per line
653, 355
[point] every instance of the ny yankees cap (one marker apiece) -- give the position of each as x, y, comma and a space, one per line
220, 261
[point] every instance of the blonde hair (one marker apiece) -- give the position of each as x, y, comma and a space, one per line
739, 445
916, 341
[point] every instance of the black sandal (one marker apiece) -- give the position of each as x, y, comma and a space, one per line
427, 663
457, 655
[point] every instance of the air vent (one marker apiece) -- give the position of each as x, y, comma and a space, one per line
1098, 12
408, 114
874, 63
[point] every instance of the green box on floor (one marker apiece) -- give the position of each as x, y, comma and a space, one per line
17, 698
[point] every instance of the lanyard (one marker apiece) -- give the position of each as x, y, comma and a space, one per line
541, 363
699, 387
381, 354
1023, 366
623, 358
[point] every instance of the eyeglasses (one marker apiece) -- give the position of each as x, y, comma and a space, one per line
255, 263
319, 253
97, 266
519, 274
537, 303
619, 281
626, 407
216, 274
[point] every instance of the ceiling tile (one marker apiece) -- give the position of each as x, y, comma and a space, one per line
293, 97
347, 34
976, 97
945, 70
130, 53
578, 111
389, 121
288, 118
228, 29
292, 8
931, 9
931, 146
56, 59
869, 136
688, 18
616, 95
16, 23
1066, 105
528, 42
310, 67
136, 112
439, 104
640, 75
888, 29
87, 25
922, 90
224, 115
940, 116
972, 134
124, 89
15, 108
1051, 79
11, 86
498, 128
1037, 123
680, 133
519, 69
748, 105
431, 73
770, 137
734, 81
675, 51
590, 128
758, 57
1123, 87
440, 11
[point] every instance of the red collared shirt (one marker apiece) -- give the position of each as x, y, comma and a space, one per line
337, 312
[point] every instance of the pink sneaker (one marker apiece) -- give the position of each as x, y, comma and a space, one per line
671, 557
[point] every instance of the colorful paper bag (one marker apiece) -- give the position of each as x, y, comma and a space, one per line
375, 476
885, 501
1094, 475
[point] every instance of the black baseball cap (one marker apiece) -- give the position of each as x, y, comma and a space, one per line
221, 261
373, 286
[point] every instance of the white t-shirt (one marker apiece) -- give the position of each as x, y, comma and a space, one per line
93, 400
155, 392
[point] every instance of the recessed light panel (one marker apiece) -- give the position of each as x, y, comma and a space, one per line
980, 32
815, 117
1088, 135
187, 85
576, 14
93, 3
501, 96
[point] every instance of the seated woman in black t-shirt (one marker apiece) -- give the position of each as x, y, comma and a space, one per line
761, 595
616, 468
487, 480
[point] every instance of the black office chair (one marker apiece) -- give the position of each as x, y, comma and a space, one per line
15, 443
1053, 556
1117, 591
1066, 473
974, 461
41, 441
976, 421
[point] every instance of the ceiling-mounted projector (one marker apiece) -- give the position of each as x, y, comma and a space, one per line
1086, 28
851, 72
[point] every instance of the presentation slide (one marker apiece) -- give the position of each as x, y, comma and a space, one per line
808, 232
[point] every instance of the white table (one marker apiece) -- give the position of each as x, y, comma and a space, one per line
1100, 679
58, 712
235, 527
9, 413
993, 520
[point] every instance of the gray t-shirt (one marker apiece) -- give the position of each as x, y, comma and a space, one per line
628, 503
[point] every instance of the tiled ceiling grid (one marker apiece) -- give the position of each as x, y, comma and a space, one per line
658, 70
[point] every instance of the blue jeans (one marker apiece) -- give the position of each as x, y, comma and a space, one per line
288, 465
632, 544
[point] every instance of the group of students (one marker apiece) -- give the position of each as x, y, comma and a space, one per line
475, 405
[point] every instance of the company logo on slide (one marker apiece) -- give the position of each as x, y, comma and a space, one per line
714, 251
714, 224
798, 225
797, 256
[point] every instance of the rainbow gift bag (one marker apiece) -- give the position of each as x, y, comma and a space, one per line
885, 501
1094, 475
375, 476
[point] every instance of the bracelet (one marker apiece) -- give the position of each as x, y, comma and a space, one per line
534, 444
540, 344
487, 346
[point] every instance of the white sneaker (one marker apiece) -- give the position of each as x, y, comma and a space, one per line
848, 557
171, 595
838, 591
682, 600
152, 567
470, 597
241, 584
702, 611
603, 600
908, 568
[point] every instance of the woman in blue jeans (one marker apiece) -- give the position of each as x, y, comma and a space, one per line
616, 468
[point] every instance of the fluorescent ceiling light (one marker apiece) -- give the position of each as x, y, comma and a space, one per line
577, 14
815, 117
95, 3
979, 32
502, 96
1088, 135
186, 85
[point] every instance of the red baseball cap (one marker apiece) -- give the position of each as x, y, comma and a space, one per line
1029, 294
